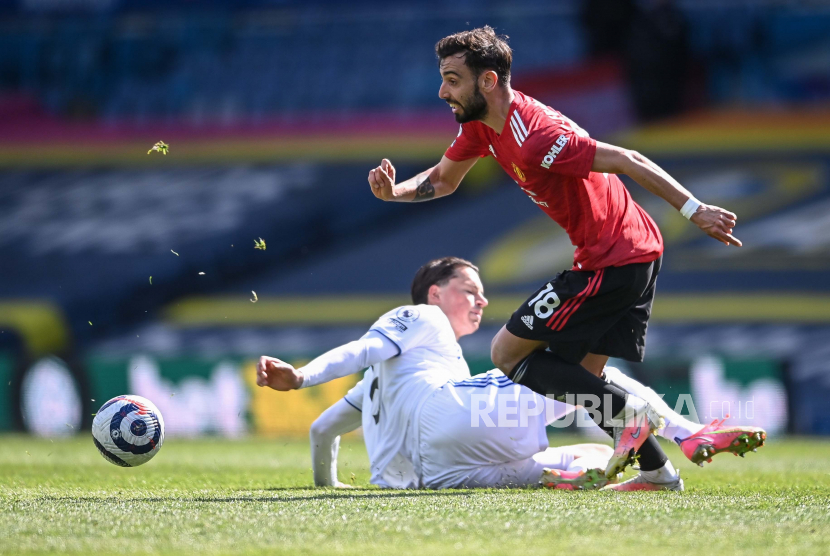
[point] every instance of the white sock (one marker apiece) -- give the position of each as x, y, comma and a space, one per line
588, 462
666, 474
677, 427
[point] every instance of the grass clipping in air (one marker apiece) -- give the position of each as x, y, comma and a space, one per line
254, 496
161, 147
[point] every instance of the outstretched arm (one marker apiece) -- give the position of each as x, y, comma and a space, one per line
347, 359
325, 433
438, 181
715, 221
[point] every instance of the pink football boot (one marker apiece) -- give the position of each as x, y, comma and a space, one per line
639, 482
641, 421
716, 438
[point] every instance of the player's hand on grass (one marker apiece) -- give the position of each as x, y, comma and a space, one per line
382, 180
277, 374
716, 222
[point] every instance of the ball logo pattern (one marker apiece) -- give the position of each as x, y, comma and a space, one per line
138, 428
128, 430
408, 314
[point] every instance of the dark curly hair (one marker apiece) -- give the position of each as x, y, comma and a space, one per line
484, 51
438, 271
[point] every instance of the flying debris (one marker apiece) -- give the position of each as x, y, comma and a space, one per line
151, 280
255, 299
259, 244
161, 147
174, 252
201, 274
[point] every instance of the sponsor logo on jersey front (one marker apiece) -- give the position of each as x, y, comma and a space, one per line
408, 314
518, 171
557, 147
528, 320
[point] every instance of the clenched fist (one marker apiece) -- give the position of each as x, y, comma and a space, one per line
382, 180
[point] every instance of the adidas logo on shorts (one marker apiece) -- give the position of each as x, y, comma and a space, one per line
528, 320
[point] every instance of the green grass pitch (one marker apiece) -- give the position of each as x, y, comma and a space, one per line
253, 496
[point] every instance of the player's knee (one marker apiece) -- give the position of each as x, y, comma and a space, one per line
317, 429
500, 356
507, 350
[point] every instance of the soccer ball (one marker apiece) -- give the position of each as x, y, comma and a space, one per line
128, 430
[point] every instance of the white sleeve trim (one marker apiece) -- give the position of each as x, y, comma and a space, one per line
388, 338
348, 359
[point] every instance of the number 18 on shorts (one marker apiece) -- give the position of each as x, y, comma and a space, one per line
603, 311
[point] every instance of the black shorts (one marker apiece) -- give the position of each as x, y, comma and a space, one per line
602, 311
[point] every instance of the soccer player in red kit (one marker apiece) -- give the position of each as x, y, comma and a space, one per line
559, 340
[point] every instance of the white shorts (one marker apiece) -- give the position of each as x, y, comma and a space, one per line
486, 432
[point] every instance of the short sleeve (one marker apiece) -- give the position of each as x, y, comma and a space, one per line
560, 150
354, 397
408, 326
467, 145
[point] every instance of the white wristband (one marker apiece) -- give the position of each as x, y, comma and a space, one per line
690, 208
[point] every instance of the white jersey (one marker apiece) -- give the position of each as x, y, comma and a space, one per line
399, 472
394, 390
459, 444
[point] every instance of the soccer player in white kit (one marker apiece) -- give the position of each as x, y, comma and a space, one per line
421, 428
420, 395
566, 465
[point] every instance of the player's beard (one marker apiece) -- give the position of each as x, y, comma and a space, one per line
475, 110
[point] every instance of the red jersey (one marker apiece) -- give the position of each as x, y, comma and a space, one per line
550, 158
